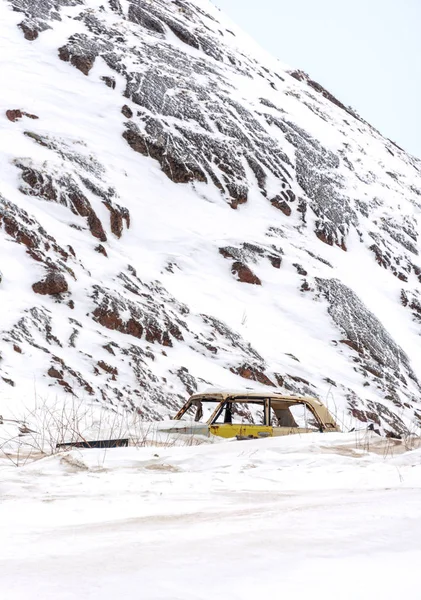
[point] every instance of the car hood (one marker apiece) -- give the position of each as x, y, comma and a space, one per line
183, 427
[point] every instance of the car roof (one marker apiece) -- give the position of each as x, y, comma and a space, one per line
224, 394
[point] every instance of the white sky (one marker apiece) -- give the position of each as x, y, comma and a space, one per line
366, 52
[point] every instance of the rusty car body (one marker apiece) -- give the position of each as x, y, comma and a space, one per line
251, 415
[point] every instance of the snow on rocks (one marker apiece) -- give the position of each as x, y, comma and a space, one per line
53, 284
126, 191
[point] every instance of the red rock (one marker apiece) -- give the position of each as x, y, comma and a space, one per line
235, 202
275, 261
53, 284
244, 273
30, 33
53, 372
324, 237
16, 114
81, 62
117, 215
253, 373
107, 368
281, 205
100, 248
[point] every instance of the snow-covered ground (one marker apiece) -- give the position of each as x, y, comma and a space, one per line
317, 516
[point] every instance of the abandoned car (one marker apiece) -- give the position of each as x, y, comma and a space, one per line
248, 415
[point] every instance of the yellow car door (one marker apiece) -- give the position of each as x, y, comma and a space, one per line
241, 431
291, 430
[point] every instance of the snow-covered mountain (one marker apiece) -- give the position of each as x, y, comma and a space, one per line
179, 210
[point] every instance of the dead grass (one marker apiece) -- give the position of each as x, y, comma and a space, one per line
39, 431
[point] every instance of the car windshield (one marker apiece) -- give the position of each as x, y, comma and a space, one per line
200, 410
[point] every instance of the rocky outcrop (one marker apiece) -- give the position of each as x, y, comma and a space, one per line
52, 285
184, 153
281, 205
165, 153
82, 60
412, 300
30, 32
251, 253
17, 114
244, 273
25, 230
63, 190
302, 76
378, 355
362, 328
118, 215
254, 373
144, 320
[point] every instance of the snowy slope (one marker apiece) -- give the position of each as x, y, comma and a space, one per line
323, 517
194, 213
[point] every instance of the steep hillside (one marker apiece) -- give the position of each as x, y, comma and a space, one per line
179, 210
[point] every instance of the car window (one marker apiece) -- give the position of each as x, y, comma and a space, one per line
190, 413
295, 416
304, 417
240, 413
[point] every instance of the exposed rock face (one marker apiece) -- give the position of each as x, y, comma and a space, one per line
366, 335
253, 373
65, 191
16, 115
178, 171
82, 61
146, 171
53, 284
117, 216
127, 111
53, 372
25, 230
302, 76
185, 153
281, 205
378, 354
244, 273
108, 368
29, 32
251, 253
